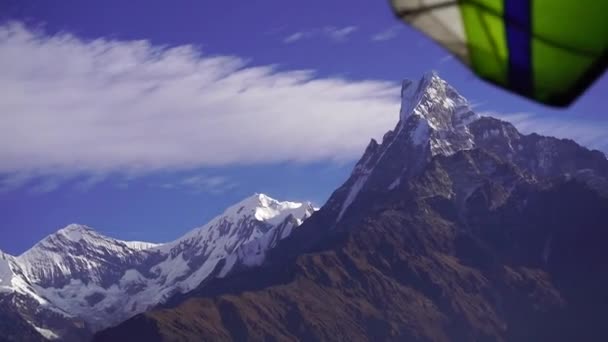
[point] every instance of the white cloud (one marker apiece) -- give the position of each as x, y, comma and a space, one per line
295, 37
203, 183
446, 58
101, 106
591, 134
386, 34
336, 34
339, 34
89, 182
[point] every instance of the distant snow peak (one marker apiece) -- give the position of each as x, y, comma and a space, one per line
74, 232
267, 209
78, 234
274, 212
78, 272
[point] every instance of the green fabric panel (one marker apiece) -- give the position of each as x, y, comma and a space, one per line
568, 38
555, 71
495, 6
486, 38
574, 24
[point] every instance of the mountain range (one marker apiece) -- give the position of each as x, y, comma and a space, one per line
77, 281
454, 227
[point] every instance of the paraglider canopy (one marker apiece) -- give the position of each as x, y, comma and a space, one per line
547, 50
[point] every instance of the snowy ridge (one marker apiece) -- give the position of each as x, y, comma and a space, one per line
12, 280
360, 173
250, 220
46, 333
77, 272
253, 253
434, 118
6, 271
140, 245
74, 251
258, 207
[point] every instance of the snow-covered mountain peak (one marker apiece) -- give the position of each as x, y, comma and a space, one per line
274, 212
434, 112
434, 120
78, 273
78, 232
251, 203
75, 232
434, 99
74, 252
87, 237
264, 208
71, 235
412, 92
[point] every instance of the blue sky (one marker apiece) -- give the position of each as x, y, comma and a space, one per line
144, 119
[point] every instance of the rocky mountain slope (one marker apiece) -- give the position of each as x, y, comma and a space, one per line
454, 228
77, 281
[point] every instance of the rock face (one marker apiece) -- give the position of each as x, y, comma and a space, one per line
77, 281
454, 228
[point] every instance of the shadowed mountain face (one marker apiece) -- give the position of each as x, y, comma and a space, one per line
454, 228
14, 327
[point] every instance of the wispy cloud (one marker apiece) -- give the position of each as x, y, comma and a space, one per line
445, 59
46, 184
589, 133
336, 34
386, 34
89, 182
14, 181
294, 37
339, 34
202, 183
35, 182
129, 107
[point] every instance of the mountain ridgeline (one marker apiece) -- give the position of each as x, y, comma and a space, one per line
455, 227
77, 281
